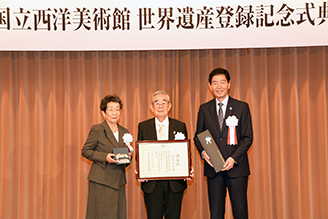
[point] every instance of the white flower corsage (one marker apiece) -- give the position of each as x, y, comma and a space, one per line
179, 136
232, 122
127, 139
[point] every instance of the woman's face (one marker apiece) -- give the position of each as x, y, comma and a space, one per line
113, 112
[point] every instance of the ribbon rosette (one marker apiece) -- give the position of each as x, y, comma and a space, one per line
127, 139
208, 140
179, 136
232, 122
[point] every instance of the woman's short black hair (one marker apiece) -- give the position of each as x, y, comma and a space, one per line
110, 98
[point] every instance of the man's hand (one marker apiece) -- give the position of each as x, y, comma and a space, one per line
191, 175
230, 162
140, 180
207, 158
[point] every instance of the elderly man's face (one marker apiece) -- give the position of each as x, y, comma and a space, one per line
161, 106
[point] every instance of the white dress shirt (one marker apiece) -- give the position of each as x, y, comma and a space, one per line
224, 106
165, 128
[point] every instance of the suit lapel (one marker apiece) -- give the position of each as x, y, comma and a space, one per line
109, 134
214, 116
230, 108
120, 135
152, 129
172, 128
229, 112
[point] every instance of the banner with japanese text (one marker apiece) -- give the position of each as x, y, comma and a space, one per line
161, 25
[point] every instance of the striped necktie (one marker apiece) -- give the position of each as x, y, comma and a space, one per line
220, 116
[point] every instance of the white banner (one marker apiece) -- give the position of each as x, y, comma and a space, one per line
161, 25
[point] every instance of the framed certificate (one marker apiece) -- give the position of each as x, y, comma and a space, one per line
162, 160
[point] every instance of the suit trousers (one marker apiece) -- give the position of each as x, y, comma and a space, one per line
217, 191
163, 201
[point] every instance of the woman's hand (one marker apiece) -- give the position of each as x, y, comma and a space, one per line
110, 158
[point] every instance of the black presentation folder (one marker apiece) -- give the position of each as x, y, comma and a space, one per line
212, 150
121, 155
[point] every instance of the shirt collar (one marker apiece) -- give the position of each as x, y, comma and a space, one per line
225, 101
165, 122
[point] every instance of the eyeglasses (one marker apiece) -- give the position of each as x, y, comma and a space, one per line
158, 104
113, 110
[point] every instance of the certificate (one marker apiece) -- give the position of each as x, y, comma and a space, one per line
158, 160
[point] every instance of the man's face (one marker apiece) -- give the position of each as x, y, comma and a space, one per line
161, 106
219, 87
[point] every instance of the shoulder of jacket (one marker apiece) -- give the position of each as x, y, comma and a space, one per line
207, 104
235, 101
146, 121
97, 126
123, 128
176, 121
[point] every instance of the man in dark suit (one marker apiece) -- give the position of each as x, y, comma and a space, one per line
162, 197
233, 117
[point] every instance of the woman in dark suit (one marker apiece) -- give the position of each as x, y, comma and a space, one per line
107, 180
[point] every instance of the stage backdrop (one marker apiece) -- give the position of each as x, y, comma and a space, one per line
50, 100
161, 25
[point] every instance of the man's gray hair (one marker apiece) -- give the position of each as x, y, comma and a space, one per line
159, 92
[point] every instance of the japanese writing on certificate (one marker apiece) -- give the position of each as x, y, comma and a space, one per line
163, 159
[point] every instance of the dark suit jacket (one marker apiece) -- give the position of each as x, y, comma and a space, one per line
208, 119
99, 143
147, 131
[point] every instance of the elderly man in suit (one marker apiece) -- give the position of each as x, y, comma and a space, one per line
162, 197
223, 116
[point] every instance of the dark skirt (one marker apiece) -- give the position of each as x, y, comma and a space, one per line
105, 202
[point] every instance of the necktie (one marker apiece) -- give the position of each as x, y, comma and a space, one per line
161, 132
220, 116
